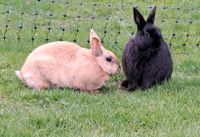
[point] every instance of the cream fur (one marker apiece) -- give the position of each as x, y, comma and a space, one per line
65, 64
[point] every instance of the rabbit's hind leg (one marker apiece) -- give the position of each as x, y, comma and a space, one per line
33, 81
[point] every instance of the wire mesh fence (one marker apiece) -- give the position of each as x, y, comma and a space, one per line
38, 21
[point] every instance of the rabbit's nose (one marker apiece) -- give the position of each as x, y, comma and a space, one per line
158, 34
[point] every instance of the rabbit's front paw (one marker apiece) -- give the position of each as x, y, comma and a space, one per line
131, 87
123, 84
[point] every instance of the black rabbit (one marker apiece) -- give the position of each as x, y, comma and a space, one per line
146, 58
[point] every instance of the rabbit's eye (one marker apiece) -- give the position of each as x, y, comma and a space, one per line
146, 34
109, 59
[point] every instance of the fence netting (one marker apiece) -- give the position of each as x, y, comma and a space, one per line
52, 20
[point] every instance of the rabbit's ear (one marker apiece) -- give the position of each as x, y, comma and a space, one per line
95, 43
139, 19
151, 16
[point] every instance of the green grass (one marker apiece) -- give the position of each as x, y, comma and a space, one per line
171, 109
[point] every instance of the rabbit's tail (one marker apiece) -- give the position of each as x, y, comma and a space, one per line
19, 75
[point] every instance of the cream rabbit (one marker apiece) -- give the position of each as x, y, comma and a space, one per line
65, 64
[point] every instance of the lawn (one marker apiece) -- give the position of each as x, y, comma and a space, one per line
168, 110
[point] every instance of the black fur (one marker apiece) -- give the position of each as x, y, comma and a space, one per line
146, 58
